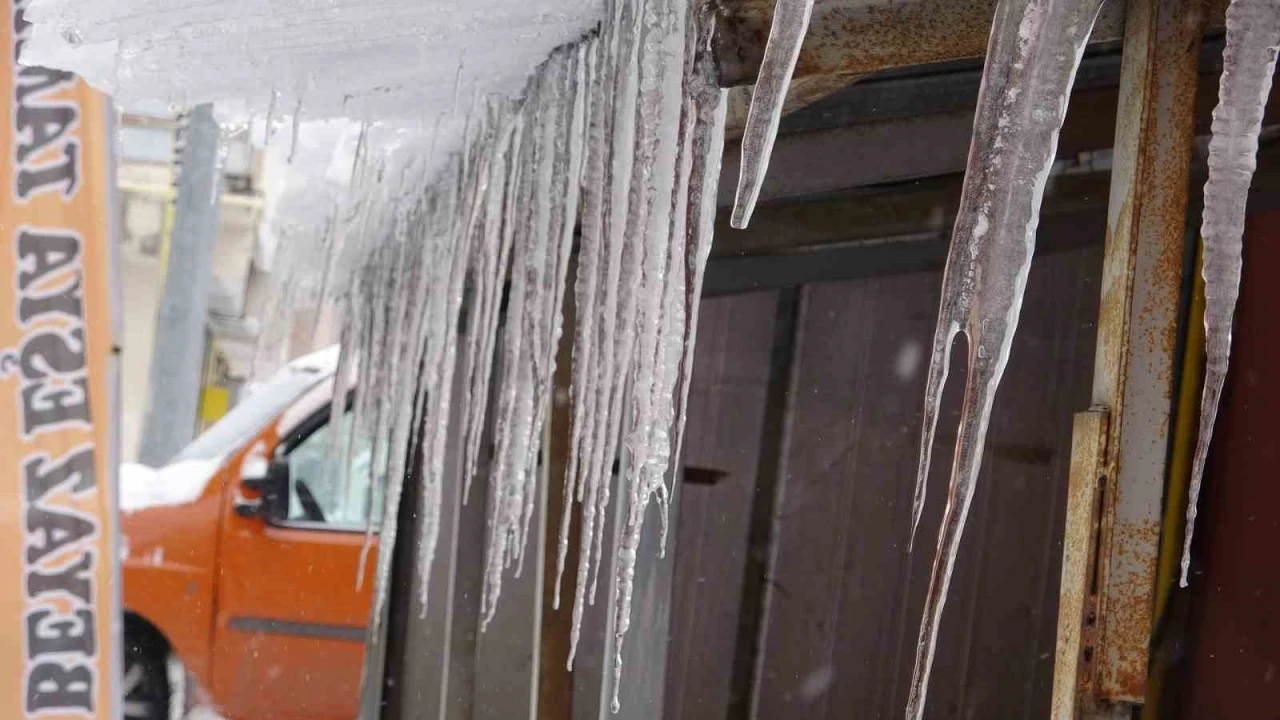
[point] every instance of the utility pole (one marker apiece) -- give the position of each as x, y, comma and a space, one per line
177, 358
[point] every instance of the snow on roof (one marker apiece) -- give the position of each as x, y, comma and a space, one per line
364, 59
317, 68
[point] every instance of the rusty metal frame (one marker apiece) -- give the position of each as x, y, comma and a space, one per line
864, 36
1077, 640
1105, 623
1120, 447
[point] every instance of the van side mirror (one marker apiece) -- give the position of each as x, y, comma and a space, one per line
270, 480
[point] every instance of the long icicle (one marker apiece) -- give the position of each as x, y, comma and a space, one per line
707, 148
504, 484
491, 275
790, 23
619, 135
649, 219
1248, 62
1032, 57
585, 285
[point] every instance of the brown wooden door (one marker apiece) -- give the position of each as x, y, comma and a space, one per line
845, 596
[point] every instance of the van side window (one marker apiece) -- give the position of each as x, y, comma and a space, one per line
319, 493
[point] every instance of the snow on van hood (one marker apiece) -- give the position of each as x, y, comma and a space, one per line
143, 487
323, 361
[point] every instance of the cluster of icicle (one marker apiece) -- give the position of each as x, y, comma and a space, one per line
464, 271
1032, 57
1035, 49
1248, 62
620, 136
656, 133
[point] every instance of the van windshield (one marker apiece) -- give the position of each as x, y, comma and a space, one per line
250, 415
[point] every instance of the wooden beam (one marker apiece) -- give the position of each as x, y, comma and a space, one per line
924, 210
888, 131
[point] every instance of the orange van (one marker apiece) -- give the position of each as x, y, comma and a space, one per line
240, 561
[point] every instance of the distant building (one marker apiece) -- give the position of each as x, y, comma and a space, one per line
146, 175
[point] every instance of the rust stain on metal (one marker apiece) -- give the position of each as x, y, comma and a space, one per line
904, 34
866, 36
1131, 598
855, 37
1077, 640
1138, 320
1113, 309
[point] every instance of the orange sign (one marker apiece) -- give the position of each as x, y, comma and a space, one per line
58, 551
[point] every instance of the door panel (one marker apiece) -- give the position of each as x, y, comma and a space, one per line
292, 608
841, 628
725, 418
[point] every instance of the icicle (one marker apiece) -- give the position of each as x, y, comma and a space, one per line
297, 120
409, 353
541, 267
472, 174
707, 149
566, 185
1248, 62
329, 246
619, 134
626, 126
379, 390
271, 116
1034, 50
395, 299
649, 219
505, 478
335, 456
585, 289
592, 303
494, 253
624, 274
364, 304
790, 23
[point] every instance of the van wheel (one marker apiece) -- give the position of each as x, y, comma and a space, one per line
146, 686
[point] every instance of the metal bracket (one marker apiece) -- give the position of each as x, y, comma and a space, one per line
1075, 667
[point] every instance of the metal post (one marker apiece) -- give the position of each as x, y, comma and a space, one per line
177, 357
1134, 366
